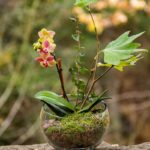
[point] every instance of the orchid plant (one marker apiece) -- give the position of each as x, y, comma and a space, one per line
118, 54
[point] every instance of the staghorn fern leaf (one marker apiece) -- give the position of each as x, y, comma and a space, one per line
122, 52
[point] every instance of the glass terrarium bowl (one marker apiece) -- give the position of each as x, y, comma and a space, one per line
75, 131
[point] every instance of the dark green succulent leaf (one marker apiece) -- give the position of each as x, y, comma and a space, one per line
100, 110
122, 49
56, 109
94, 102
54, 99
84, 3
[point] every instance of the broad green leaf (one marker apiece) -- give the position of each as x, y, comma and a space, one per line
122, 49
129, 62
54, 99
84, 3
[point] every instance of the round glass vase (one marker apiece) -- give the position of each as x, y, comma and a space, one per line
74, 131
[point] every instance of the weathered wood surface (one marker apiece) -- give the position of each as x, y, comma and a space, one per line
103, 146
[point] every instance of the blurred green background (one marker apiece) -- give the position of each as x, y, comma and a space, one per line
21, 77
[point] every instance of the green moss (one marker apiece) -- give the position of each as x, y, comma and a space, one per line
78, 123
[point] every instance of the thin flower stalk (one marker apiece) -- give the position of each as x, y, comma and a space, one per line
91, 88
79, 48
93, 74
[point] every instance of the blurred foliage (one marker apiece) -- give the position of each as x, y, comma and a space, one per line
21, 77
108, 13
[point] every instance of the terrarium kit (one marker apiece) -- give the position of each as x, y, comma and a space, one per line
78, 120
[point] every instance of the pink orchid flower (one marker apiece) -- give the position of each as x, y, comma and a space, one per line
45, 47
46, 60
48, 47
44, 33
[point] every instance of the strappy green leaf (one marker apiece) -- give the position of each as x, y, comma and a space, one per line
57, 103
94, 103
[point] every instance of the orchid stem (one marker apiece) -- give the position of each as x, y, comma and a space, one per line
59, 69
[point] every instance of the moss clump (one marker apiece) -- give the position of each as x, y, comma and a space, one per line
78, 123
